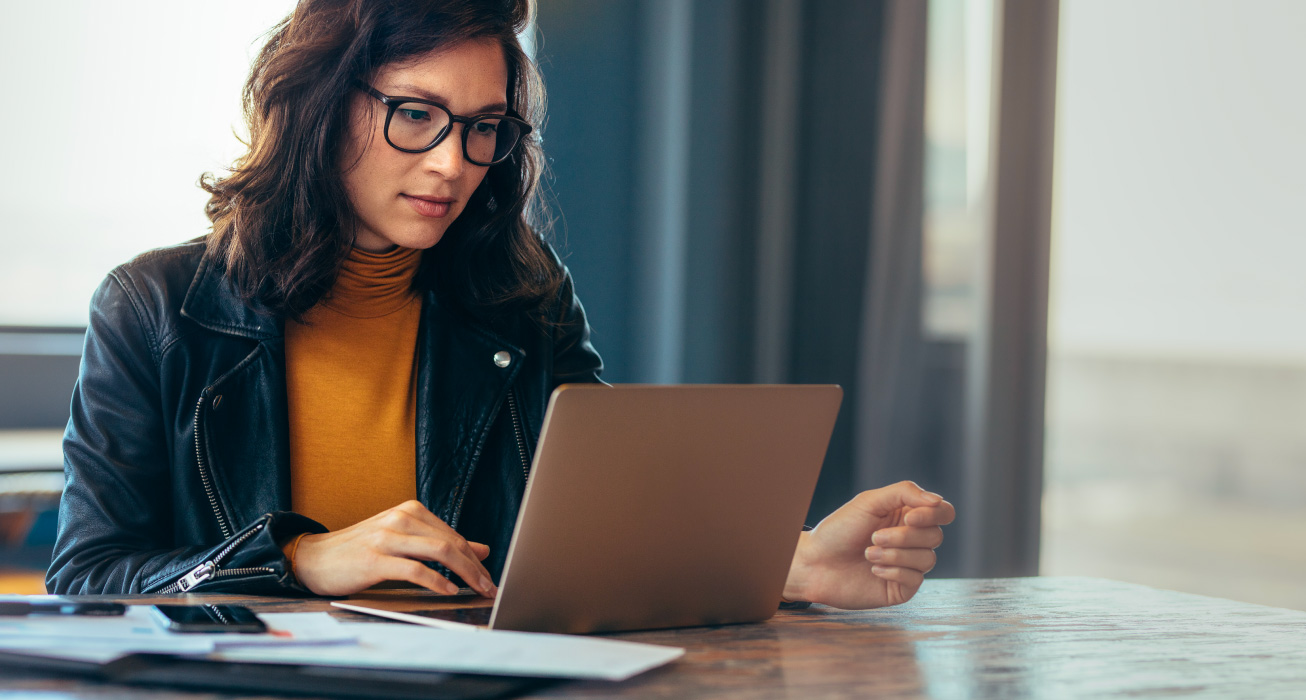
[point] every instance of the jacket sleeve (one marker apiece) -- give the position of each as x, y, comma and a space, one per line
574, 358
116, 514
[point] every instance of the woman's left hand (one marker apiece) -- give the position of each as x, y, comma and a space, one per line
873, 551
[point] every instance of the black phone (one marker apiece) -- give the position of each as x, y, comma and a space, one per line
208, 618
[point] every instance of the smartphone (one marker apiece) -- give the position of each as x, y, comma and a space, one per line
208, 618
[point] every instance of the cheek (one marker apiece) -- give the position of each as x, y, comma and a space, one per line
373, 175
362, 159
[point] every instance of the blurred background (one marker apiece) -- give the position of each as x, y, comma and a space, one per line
1051, 250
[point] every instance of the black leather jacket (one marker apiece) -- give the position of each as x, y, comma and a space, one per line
176, 455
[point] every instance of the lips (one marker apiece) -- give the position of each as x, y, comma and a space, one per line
433, 207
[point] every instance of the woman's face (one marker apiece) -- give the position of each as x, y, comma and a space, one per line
409, 199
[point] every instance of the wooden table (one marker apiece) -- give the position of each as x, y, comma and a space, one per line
978, 638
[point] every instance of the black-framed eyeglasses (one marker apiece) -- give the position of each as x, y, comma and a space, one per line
414, 125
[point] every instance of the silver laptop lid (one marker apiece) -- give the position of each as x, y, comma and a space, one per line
663, 506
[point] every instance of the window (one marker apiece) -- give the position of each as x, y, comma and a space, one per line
1176, 415
112, 115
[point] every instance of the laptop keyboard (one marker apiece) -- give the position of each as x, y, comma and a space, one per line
469, 616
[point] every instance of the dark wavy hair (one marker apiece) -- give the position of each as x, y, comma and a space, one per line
282, 221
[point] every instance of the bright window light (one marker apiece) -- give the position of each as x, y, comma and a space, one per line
111, 116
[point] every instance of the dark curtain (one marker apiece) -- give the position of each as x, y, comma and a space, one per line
741, 186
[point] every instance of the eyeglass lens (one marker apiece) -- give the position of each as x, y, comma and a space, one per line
415, 126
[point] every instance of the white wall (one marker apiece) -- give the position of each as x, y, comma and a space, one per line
1177, 375
111, 112
1180, 227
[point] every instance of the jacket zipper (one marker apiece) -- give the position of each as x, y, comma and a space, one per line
521, 438
521, 453
209, 569
204, 470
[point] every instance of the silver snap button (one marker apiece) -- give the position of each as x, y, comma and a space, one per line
502, 358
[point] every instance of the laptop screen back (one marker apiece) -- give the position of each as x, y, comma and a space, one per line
663, 506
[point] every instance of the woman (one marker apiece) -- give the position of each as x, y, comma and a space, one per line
316, 397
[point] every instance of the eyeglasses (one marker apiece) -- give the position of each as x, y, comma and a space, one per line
414, 125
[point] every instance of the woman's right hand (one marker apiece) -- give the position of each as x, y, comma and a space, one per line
391, 546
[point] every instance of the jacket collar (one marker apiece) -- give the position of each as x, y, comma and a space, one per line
213, 302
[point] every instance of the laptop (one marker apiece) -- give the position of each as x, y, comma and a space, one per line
651, 507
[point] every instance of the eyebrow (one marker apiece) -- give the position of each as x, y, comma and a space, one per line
415, 91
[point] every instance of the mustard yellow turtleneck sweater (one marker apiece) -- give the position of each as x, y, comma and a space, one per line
351, 382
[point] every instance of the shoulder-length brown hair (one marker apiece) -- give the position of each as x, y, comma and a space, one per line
282, 221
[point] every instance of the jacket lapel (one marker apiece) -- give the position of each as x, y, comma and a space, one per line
242, 421
460, 391
245, 429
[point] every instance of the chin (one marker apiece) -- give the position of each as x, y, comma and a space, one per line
408, 230
421, 237
422, 242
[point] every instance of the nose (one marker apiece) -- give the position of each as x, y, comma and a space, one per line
446, 159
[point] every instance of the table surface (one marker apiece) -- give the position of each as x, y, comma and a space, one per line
960, 638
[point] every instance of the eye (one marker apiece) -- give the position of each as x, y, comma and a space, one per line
486, 128
414, 114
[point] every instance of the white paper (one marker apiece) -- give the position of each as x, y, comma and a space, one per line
290, 629
408, 647
137, 631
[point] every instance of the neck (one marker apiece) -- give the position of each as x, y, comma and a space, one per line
367, 240
374, 247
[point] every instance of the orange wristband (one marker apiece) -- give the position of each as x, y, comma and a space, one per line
294, 547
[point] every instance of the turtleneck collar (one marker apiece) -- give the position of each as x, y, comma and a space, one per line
374, 284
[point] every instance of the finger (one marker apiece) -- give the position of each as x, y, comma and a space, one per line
412, 518
458, 555
921, 560
480, 550
401, 569
908, 537
882, 502
455, 554
941, 514
436, 541
910, 578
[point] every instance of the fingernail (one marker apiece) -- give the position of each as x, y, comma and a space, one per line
874, 554
880, 570
486, 585
879, 538
933, 496
450, 589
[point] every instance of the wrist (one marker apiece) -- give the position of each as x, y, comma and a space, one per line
292, 549
297, 552
796, 584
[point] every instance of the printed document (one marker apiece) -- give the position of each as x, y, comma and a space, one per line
410, 647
